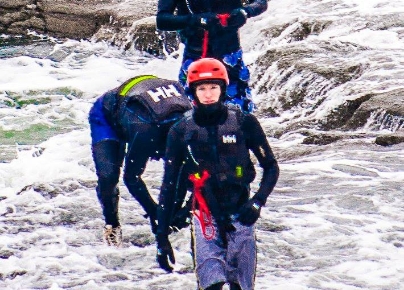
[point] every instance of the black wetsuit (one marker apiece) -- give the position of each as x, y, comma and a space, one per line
222, 145
221, 42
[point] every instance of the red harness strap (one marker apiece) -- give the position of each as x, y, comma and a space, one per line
223, 21
203, 214
205, 43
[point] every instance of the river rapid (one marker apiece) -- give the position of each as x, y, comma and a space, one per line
335, 219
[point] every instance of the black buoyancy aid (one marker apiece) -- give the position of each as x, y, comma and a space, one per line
220, 149
160, 99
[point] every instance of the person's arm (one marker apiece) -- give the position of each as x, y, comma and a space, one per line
258, 143
172, 165
173, 162
238, 17
256, 8
167, 20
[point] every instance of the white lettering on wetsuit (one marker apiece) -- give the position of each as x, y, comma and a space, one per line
229, 139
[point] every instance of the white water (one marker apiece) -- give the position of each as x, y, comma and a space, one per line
334, 220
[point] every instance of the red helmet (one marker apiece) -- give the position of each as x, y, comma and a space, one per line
207, 69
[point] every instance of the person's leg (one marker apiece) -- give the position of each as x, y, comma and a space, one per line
209, 258
238, 90
108, 152
242, 258
108, 157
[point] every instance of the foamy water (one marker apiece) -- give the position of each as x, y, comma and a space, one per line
334, 220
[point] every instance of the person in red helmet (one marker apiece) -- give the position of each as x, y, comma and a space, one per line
212, 144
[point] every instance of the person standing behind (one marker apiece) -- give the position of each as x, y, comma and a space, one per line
136, 115
210, 28
213, 142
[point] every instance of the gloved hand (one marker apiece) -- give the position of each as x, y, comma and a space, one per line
164, 252
238, 17
224, 226
181, 219
249, 212
207, 21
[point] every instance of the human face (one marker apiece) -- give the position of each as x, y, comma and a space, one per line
208, 93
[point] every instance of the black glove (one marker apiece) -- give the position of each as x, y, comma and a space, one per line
164, 252
206, 20
224, 226
238, 17
181, 219
249, 212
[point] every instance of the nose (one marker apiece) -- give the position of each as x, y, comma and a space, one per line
208, 94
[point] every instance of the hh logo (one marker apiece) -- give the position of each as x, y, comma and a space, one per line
163, 92
229, 139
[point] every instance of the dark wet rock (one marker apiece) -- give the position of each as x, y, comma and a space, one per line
302, 74
144, 37
125, 24
7, 210
340, 115
142, 239
46, 190
5, 254
387, 109
53, 189
321, 139
75, 19
16, 273
299, 29
302, 83
271, 227
390, 139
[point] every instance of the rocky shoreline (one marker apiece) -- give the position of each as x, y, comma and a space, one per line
121, 23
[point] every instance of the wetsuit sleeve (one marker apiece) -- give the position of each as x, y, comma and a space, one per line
175, 153
258, 144
167, 20
256, 7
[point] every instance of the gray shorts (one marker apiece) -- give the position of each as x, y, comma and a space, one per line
237, 263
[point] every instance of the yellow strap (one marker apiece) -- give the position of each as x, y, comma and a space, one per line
134, 82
